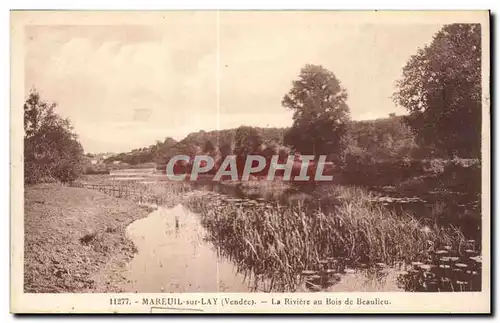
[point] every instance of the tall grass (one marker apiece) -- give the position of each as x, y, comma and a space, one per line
277, 244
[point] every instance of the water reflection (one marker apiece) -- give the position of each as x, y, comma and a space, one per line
173, 256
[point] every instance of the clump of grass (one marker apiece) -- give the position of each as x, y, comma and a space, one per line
276, 244
161, 193
87, 239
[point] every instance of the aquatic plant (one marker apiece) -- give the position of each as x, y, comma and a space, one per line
277, 244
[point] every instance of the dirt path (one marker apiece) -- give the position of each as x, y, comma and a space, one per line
75, 239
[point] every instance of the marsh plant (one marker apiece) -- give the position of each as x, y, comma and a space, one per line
283, 245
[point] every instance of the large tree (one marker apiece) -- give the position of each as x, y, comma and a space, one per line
51, 148
320, 112
441, 89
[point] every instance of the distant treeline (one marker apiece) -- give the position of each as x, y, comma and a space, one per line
376, 140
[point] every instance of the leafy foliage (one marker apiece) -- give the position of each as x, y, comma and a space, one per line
320, 110
381, 140
51, 149
248, 141
441, 88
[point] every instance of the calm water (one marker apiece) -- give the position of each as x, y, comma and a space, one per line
176, 258
173, 256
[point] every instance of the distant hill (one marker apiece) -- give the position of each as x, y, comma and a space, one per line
379, 139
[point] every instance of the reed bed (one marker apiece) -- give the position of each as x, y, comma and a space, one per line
281, 245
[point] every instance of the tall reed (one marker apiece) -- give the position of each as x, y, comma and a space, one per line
277, 243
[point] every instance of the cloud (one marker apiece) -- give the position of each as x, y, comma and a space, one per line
100, 86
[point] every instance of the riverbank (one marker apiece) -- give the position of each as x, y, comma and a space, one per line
75, 239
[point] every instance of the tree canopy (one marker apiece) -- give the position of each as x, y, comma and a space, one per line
51, 148
441, 89
320, 112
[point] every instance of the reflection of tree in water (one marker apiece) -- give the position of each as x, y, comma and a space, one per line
377, 275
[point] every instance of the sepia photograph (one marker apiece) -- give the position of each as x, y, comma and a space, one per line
301, 153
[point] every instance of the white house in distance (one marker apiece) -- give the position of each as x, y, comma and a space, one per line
99, 159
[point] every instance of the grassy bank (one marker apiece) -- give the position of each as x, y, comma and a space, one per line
75, 239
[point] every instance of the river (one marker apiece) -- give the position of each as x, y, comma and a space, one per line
174, 256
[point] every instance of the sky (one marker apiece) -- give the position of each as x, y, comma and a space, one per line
126, 86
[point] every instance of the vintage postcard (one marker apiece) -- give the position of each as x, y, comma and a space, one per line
250, 162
